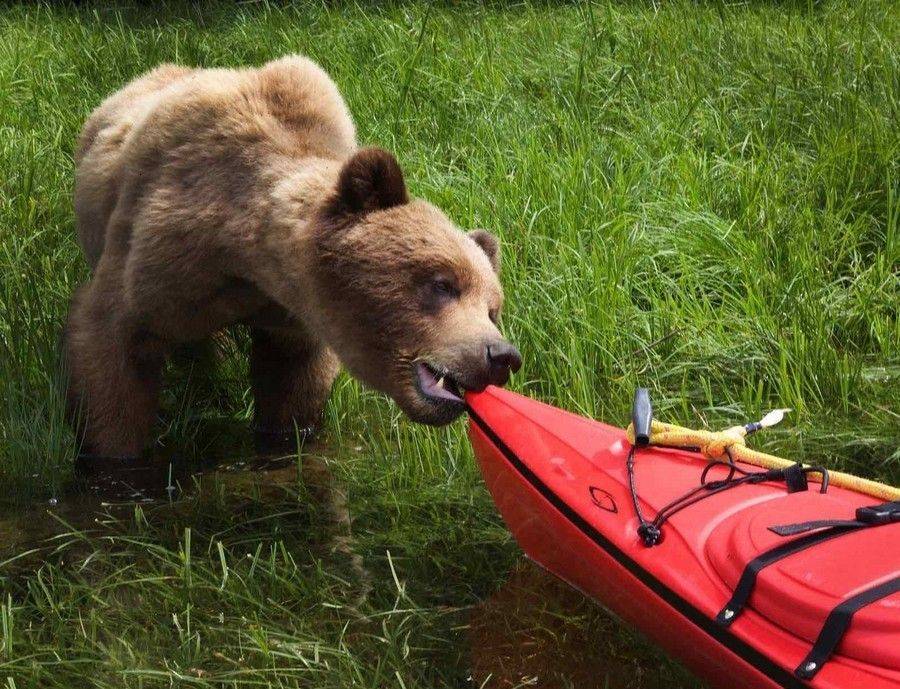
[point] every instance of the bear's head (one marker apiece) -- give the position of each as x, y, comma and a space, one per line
407, 301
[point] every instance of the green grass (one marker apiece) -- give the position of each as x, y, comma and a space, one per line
697, 197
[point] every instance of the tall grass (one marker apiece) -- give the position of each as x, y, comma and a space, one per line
702, 199
697, 197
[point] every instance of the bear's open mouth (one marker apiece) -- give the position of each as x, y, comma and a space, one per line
436, 384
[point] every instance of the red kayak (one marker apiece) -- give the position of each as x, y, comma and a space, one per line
763, 581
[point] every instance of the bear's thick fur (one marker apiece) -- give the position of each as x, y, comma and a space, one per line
207, 198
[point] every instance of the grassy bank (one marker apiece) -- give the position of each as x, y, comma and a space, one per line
702, 199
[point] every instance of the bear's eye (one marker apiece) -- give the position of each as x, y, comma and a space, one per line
444, 288
494, 315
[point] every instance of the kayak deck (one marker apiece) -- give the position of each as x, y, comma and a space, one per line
560, 482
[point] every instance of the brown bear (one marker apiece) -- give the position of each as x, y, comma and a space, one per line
209, 197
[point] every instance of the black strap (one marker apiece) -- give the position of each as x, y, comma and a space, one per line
747, 582
872, 515
805, 527
837, 623
824, 530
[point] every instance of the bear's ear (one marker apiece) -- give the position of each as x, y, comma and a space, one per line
371, 180
489, 244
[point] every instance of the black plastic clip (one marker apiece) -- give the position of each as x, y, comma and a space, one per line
795, 478
650, 534
879, 514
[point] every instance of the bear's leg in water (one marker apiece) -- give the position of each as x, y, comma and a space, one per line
291, 377
113, 375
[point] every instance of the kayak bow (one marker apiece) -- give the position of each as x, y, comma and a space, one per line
764, 580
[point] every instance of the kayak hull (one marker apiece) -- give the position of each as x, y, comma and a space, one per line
567, 503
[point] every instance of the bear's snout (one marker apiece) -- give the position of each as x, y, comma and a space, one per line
442, 380
489, 362
503, 358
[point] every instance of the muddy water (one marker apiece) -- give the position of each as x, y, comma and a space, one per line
536, 631
220, 459
533, 631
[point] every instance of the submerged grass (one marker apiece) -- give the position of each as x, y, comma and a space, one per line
699, 198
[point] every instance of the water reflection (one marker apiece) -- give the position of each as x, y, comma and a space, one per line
536, 631
106, 491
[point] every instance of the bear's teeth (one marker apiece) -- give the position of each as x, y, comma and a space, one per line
440, 382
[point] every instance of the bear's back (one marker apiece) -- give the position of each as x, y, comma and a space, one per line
212, 132
306, 102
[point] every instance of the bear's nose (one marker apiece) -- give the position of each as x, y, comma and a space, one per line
502, 358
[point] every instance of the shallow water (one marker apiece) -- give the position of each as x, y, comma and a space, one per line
536, 631
160, 477
531, 631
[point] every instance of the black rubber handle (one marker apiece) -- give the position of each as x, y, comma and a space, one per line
641, 417
879, 514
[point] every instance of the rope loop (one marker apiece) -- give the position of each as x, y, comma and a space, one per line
730, 444
718, 444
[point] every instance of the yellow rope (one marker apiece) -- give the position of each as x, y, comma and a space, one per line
714, 445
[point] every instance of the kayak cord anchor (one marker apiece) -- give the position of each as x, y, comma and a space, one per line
641, 420
650, 531
731, 445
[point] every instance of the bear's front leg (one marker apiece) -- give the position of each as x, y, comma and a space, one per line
114, 374
291, 378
